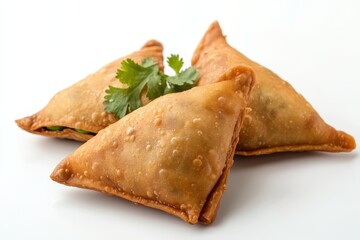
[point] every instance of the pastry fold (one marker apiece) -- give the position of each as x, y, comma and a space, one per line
77, 112
281, 119
173, 154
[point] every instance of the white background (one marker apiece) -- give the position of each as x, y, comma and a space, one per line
48, 45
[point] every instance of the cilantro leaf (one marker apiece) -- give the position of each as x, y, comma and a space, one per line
132, 73
148, 62
175, 62
155, 85
187, 76
121, 101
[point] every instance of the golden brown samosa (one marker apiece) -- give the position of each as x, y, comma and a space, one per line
173, 154
77, 112
281, 119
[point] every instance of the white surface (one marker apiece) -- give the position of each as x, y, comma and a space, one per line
48, 45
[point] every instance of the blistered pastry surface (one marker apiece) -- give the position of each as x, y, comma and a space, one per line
80, 106
280, 118
169, 154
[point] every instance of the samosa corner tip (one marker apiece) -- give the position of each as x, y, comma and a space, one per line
25, 123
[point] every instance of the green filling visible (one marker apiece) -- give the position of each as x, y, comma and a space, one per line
60, 128
82, 131
55, 128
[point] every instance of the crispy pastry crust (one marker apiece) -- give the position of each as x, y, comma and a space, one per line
177, 160
281, 119
80, 106
208, 213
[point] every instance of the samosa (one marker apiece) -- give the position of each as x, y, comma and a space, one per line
281, 119
173, 154
77, 112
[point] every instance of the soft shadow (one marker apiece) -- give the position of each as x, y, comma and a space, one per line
33, 149
54, 144
253, 161
234, 200
114, 207
243, 174
49, 149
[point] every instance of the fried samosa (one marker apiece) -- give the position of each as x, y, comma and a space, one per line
281, 119
173, 154
77, 112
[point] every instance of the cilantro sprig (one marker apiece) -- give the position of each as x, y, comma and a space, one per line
121, 101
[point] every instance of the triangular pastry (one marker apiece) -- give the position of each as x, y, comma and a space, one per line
77, 112
281, 119
173, 154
